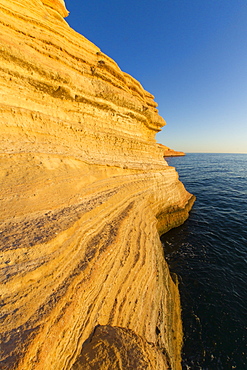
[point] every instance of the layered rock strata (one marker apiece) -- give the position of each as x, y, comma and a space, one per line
84, 194
168, 152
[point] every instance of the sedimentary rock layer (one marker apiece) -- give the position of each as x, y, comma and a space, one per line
168, 152
84, 194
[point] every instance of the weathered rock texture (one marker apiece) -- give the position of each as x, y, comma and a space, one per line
168, 152
84, 194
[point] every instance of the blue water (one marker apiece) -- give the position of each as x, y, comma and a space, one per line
209, 255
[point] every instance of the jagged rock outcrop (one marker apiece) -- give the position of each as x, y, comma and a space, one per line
168, 152
84, 194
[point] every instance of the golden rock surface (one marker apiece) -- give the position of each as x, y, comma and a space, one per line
84, 194
168, 152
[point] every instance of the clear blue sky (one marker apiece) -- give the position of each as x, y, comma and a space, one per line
190, 54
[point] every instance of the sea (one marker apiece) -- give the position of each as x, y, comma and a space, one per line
209, 255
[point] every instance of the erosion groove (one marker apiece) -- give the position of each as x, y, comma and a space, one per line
85, 193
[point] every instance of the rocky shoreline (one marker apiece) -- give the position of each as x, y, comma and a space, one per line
168, 152
85, 194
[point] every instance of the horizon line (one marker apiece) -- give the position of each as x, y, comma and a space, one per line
215, 152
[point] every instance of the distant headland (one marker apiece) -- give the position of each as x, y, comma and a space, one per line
168, 152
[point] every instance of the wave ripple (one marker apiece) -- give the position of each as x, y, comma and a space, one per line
209, 255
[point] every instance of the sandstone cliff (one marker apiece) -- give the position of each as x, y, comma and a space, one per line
168, 152
84, 193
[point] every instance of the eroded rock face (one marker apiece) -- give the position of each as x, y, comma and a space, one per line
84, 194
118, 348
58, 5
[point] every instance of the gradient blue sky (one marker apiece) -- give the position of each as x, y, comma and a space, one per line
190, 54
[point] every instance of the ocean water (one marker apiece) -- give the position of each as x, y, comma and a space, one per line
209, 255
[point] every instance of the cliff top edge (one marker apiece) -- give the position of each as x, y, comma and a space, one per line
58, 5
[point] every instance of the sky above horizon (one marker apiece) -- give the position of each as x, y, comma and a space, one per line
190, 54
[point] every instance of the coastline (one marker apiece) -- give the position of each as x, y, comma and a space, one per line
209, 266
85, 195
168, 152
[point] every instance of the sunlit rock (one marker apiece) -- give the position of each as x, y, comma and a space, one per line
84, 193
168, 152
